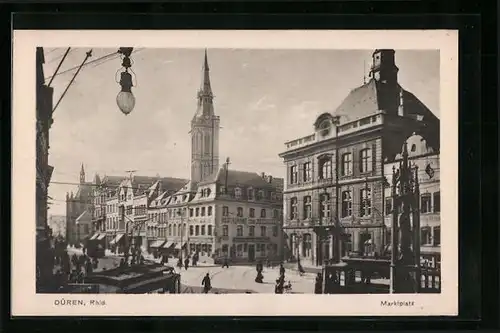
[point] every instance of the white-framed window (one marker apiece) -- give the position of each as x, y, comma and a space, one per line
425, 203
436, 197
202, 211
365, 159
225, 230
365, 208
325, 167
325, 205
225, 211
251, 231
263, 231
263, 213
203, 230
209, 230
237, 193
210, 210
251, 213
346, 203
293, 174
197, 230
437, 236
250, 194
307, 207
347, 164
191, 230
294, 208
239, 231
307, 172
426, 236
239, 211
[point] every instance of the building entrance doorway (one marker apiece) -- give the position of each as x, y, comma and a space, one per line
251, 252
364, 242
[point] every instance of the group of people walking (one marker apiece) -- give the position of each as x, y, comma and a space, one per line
74, 269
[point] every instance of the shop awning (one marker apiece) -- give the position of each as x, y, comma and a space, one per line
101, 236
94, 237
168, 245
116, 239
178, 246
157, 244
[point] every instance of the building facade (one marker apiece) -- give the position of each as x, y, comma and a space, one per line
427, 160
44, 120
336, 183
76, 204
220, 212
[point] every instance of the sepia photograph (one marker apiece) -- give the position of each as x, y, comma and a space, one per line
211, 170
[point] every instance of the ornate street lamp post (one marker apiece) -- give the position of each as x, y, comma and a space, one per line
125, 98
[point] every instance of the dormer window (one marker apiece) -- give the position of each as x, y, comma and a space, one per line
237, 193
324, 128
250, 194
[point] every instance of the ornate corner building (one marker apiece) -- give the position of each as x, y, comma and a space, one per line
336, 183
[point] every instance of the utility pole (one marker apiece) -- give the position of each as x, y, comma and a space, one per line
58, 66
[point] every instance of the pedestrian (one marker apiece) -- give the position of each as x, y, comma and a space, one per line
318, 285
206, 283
186, 263
225, 263
179, 263
88, 267
282, 270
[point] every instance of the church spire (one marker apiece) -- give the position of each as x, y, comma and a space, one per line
82, 175
205, 95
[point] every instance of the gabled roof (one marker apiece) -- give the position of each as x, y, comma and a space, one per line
240, 178
84, 191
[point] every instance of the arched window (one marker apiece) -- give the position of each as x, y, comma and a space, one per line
239, 231
263, 213
307, 245
207, 140
237, 193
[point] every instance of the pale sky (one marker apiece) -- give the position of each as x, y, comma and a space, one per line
263, 97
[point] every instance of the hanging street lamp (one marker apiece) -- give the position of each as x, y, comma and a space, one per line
125, 99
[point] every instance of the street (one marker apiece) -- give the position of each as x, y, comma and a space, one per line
235, 279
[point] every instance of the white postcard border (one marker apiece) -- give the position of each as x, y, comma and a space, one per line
26, 303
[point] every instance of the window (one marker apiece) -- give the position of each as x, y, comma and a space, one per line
365, 208
191, 212
294, 209
251, 212
250, 194
307, 172
276, 213
209, 231
437, 202
203, 230
365, 157
210, 211
346, 203
225, 248
437, 236
425, 203
263, 213
175, 229
191, 230
263, 231
202, 211
425, 236
307, 245
275, 231
225, 211
325, 205
197, 212
237, 193
239, 212
347, 164
251, 231
293, 174
197, 230
260, 195
239, 231
325, 167
239, 250
225, 230
307, 207
388, 206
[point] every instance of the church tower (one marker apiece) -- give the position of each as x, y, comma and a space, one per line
384, 68
204, 131
82, 175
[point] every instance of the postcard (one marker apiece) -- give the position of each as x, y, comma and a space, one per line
235, 173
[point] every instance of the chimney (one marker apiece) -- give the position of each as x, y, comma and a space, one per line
263, 175
270, 179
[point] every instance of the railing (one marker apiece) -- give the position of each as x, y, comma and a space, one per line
325, 221
430, 281
306, 140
